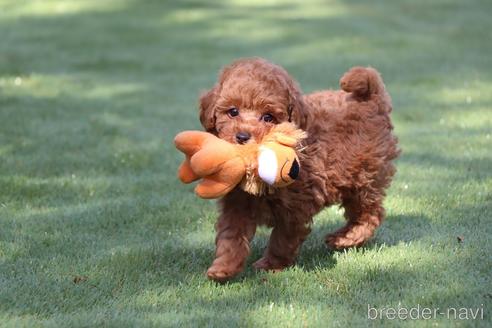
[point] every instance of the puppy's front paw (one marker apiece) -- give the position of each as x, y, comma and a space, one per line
266, 264
341, 242
352, 235
220, 273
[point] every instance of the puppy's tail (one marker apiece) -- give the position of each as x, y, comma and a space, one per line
365, 83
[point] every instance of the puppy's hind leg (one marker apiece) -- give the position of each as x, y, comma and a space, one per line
364, 214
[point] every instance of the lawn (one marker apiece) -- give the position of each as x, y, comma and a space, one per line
96, 230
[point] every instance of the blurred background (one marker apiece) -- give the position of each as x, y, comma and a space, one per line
95, 229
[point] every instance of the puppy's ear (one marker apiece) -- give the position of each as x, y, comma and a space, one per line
207, 109
297, 110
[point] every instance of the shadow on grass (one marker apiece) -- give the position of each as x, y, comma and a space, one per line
127, 267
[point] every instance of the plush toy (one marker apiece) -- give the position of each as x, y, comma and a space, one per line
258, 167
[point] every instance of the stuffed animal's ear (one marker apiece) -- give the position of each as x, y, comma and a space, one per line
288, 134
207, 109
287, 141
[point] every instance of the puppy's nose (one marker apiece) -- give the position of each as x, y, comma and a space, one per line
242, 137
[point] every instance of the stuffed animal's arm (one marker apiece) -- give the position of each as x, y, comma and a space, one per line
205, 152
185, 173
221, 182
212, 157
189, 142
216, 161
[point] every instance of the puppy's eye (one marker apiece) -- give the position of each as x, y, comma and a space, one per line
268, 118
233, 112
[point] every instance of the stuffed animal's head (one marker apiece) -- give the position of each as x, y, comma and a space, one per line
278, 164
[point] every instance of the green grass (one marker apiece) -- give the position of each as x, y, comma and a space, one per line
92, 93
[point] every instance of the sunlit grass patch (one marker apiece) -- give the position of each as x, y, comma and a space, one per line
56, 7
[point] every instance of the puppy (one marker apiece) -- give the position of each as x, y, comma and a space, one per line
346, 160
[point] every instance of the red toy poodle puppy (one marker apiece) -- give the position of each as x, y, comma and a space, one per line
347, 159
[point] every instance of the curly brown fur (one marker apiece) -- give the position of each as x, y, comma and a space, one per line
346, 160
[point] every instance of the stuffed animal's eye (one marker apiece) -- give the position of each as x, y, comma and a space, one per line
233, 112
268, 118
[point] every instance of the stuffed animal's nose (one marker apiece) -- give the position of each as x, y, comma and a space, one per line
243, 137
